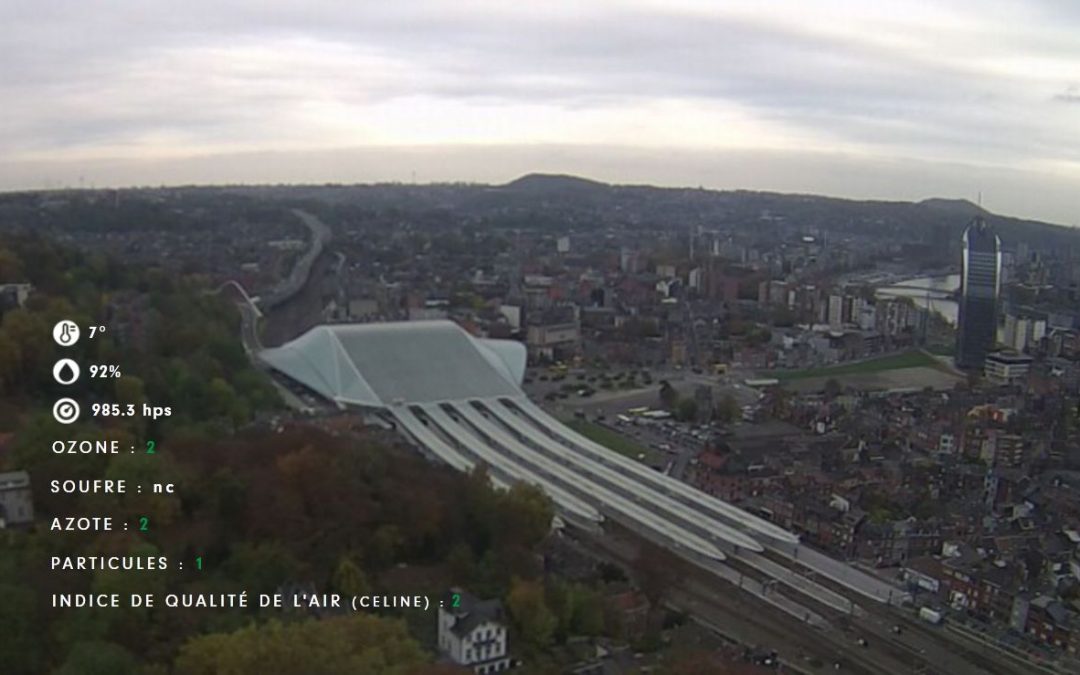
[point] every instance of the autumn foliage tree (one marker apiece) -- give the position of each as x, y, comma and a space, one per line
260, 507
337, 646
532, 617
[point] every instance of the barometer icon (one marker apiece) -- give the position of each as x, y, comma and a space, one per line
66, 411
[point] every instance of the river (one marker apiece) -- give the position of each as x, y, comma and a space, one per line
932, 292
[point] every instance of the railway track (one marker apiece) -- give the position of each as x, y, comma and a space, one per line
733, 613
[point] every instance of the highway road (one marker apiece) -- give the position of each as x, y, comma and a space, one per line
298, 276
249, 328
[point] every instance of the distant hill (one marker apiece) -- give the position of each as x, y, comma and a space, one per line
936, 221
549, 183
960, 207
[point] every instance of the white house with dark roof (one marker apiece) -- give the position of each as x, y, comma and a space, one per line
472, 633
16, 499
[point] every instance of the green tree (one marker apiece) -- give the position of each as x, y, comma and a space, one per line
655, 573
700, 663
10, 363
28, 332
727, 409
11, 270
98, 658
127, 584
385, 546
130, 389
224, 402
86, 625
686, 410
780, 402
440, 669
560, 600
833, 388
349, 579
526, 514
161, 508
669, 397
256, 389
530, 613
33, 453
579, 610
261, 567
461, 561
336, 646
588, 611
758, 336
21, 645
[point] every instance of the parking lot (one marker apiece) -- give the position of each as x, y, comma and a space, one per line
672, 446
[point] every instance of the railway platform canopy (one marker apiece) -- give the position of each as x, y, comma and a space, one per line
459, 398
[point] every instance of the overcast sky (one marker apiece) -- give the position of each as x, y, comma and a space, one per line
895, 99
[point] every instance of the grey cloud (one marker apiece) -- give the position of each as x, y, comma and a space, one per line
898, 101
631, 54
1070, 95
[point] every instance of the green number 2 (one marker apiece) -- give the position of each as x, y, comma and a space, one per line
144, 524
455, 599
150, 445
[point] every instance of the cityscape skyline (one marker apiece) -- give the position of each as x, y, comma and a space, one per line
775, 413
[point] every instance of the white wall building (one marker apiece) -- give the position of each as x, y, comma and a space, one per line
472, 633
16, 499
1023, 334
14, 295
694, 280
835, 316
544, 339
1006, 368
867, 316
512, 314
665, 271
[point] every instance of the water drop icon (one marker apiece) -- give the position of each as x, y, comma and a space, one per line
66, 371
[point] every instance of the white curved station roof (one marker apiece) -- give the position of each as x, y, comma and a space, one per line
382, 364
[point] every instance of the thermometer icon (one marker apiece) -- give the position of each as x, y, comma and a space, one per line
66, 333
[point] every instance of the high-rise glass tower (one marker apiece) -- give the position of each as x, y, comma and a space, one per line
980, 288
